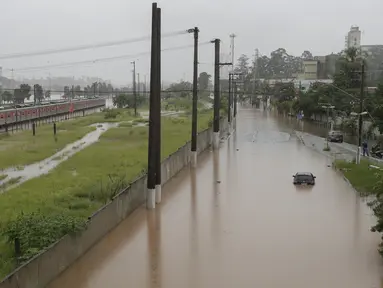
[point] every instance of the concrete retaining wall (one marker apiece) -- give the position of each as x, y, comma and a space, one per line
46, 266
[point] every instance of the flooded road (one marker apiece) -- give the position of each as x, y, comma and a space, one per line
238, 221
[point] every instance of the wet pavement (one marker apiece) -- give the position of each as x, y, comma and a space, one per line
238, 221
344, 151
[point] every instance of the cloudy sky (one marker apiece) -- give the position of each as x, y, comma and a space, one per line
297, 25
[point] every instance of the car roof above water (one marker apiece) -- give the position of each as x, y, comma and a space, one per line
304, 174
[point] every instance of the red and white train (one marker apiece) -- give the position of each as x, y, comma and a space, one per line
11, 116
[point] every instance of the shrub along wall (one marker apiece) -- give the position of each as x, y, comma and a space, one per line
46, 266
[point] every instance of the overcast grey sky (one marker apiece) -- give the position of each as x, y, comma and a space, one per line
297, 25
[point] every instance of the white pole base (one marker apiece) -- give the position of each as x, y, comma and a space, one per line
193, 159
150, 199
358, 151
229, 127
216, 140
158, 194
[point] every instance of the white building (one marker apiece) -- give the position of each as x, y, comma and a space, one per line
353, 38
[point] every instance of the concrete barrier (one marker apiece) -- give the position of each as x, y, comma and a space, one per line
47, 265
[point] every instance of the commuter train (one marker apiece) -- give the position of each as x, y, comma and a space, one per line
21, 114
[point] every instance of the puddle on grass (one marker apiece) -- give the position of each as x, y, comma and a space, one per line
25, 173
145, 115
43, 167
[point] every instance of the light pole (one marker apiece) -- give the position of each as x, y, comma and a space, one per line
360, 124
134, 88
328, 107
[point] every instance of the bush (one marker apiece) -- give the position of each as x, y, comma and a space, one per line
111, 113
36, 231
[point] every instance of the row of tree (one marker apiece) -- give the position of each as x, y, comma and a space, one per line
25, 92
344, 93
282, 65
19, 95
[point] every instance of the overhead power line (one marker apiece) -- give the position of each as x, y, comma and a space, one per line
85, 47
100, 60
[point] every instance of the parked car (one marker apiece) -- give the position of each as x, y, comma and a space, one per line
335, 136
304, 178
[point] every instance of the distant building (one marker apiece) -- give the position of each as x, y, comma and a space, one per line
310, 69
331, 64
369, 48
321, 67
353, 38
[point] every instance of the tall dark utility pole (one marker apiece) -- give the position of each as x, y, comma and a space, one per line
230, 100
151, 182
158, 110
217, 99
195, 31
134, 88
360, 113
235, 99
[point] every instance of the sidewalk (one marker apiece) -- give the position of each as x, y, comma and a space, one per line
343, 150
338, 150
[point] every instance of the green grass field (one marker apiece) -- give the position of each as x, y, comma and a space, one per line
362, 178
22, 148
82, 184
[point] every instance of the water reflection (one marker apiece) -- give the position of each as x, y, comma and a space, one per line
154, 246
193, 249
216, 209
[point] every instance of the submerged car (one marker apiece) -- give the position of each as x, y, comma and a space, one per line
304, 178
335, 136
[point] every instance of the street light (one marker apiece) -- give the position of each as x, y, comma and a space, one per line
358, 152
134, 88
357, 114
328, 107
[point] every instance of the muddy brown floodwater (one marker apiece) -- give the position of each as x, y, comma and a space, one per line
238, 221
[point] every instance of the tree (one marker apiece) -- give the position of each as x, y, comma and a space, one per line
6, 96
110, 89
242, 65
182, 89
347, 75
306, 55
93, 89
204, 81
47, 94
283, 65
284, 91
67, 92
38, 93
77, 90
123, 100
120, 101
22, 93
